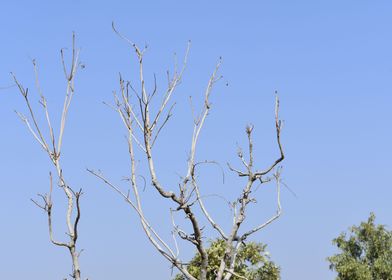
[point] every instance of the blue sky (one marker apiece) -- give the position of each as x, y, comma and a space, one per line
331, 62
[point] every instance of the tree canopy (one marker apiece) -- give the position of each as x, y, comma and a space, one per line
253, 262
365, 253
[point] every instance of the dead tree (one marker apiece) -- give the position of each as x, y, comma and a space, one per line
143, 128
52, 146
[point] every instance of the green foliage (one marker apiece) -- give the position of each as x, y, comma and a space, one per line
365, 254
253, 262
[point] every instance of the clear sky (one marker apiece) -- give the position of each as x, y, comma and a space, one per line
331, 62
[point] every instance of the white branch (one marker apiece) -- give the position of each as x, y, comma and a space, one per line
273, 218
206, 213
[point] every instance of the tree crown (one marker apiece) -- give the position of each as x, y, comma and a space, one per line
365, 253
253, 262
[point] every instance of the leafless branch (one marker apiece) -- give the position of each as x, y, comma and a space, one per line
70, 89
169, 114
44, 104
27, 123
133, 205
7, 87
246, 197
273, 218
174, 232
183, 197
172, 85
206, 213
240, 173
125, 98
152, 235
36, 132
54, 155
278, 126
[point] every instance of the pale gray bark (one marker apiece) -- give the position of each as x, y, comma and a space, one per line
143, 128
53, 149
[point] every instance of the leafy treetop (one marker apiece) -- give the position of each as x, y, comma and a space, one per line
253, 262
365, 253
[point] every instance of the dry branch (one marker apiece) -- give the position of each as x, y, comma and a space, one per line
189, 192
54, 153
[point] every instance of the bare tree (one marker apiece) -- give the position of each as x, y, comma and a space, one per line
52, 147
143, 129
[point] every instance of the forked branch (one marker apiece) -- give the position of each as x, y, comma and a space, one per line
72, 216
187, 197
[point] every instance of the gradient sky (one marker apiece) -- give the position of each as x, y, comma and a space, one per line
331, 62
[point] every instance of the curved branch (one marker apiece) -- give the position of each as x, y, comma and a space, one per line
273, 218
278, 125
206, 213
